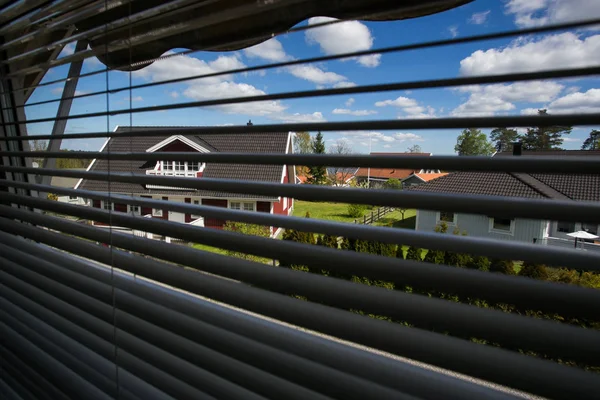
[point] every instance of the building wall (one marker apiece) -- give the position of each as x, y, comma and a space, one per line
525, 230
214, 222
411, 180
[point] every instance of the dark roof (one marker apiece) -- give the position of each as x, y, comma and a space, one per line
579, 187
216, 142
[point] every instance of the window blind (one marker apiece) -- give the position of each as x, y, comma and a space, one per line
98, 302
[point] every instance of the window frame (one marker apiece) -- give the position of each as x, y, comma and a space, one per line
438, 218
196, 203
511, 227
241, 205
134, 209
103, 204
573, 226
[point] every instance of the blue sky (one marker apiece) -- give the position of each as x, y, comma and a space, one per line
557, 50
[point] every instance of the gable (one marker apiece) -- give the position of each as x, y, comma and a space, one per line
177, 143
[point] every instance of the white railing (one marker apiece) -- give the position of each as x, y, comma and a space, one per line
186, 174
569, 244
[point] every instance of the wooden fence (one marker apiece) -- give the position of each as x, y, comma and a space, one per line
375, 215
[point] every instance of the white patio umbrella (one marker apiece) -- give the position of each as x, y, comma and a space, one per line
581, 235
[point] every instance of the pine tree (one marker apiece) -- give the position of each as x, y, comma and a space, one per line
592, 142
317, 175
503, 138
544, 137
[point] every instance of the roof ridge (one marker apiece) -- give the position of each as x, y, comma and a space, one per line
540, 186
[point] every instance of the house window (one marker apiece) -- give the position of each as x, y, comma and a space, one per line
73, 197
566, 227
502, 225
193, 166
167, 165
238, 205
107, 205
448, 217
179, 166
196, 216
133, 209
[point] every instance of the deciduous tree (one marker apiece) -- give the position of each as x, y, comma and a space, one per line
473, 142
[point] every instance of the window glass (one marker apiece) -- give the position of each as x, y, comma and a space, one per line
134, 209
167, 165
501, 224
107, 205
446, 216
178, 165
72, 197
566, 227
235, 205
248, 206
193, 166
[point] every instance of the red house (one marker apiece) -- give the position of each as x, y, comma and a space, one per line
174, 141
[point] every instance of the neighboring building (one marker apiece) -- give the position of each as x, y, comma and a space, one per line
171, 141
573, 187
419, 178
68, 183
341, 177
381, 175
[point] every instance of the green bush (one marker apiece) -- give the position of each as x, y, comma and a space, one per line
400, 251
247, 229
356, 210
481, 263
393, 184
414, 253
506, 267
434, 257
533, 270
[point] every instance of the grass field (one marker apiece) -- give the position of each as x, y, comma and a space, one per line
339, 212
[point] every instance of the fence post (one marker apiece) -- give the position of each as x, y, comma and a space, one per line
364, 219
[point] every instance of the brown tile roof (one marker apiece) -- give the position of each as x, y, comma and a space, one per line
221, 142
385, 173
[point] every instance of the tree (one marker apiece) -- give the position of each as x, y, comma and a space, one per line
503, 138
473, 142
415, 148
533, 270
317, 174
302, 145
392, 183
593, 142
338, 176
38, 145
544, 137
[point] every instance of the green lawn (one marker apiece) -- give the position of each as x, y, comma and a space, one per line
209, 248
339, 212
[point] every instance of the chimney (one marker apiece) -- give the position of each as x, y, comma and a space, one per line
517, 148
249, 122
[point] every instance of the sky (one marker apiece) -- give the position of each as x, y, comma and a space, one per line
531, 53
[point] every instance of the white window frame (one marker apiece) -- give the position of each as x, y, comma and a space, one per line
439, 219
133, 209
104, 203
243, 205
285, 203
510, 231
157, 212
73, 198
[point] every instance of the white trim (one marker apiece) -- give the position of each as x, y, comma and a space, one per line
241, 201
112, 205
510, 232
182, 139
94, 160
454, 219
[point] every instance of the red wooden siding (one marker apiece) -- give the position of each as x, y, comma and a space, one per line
146, 210
120, 208
165, 211
214, 222
263, 206
176, 146
96, 203
188, 217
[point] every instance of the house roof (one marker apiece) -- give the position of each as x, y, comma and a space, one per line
216, 142
66, 182
579, 187
388, 173
430, 176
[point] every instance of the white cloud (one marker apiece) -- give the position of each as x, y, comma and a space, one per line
271, 50
571, 139
219, 87
349, 102
409, 106
573, 89
403, 137
490, 99
529, 13
387, 146
479, 18
399, 102
315, 74
358, 113
174, 94
344, 84
565, 50
343, 37
58, 91
573, 103
453, 30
